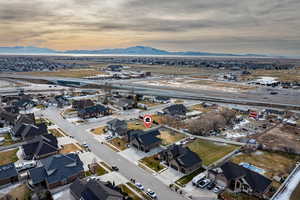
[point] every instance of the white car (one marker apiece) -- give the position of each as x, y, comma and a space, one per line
218, 189
151, 194
139, 185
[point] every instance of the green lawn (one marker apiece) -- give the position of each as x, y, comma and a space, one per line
210, 152
100, 171
187, 178
8, 156
152, 163
296, 193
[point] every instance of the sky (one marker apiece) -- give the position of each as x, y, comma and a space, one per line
228, 26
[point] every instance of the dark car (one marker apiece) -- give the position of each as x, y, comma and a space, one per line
211, 186
114, 168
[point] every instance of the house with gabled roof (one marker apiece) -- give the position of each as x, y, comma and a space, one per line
117, 127
237, 179
8, 174
28, 131
176, 110
144, 140
94, 190
93, 111
181, 158
82, 104
7, 118
26, 119
56, 170
41, 147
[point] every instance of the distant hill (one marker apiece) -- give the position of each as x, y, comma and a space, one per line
137, 50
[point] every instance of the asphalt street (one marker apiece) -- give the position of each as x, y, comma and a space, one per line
127, 169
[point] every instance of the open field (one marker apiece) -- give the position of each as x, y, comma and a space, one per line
152, 163
223, 85
187, 178
281, 75
149, 103
119, 143
56, 132
296, 193
20, 192
68, 148
128, 191
158, 118
8, 140
169, 137
99, 130
275, 164
75, 73
136, 125
280, 138
200, 107
210, 152
8, 156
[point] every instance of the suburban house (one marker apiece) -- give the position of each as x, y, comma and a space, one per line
25, 119
161, 99
28, 131
11, 109
56, 170
117, 127
176, 110
82, 104
240, 179
144, 140
8, 174
42, 146
93, 111
25, 104
61, 101
94, 190
7, 118
181, 158
126, 104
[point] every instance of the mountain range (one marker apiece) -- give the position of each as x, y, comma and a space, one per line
136, 50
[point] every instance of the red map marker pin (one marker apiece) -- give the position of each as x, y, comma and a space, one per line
148, 121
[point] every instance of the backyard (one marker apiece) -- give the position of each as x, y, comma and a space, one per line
136, 125
68, 148
119, 143
152, 163
99, 131
275, 164
210, 152
8, 156
169, 137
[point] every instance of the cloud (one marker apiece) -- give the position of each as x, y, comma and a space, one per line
274, 22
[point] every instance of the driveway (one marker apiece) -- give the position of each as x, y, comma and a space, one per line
133, 155
169, 176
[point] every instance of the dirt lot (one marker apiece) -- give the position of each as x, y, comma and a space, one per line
201, 108
99, 130
223, 85
68, 148
8, 156
169, 137
282, 138
275, 164
210, 152
75, 73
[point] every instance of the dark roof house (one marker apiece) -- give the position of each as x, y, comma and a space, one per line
41, 147
29, 131
57, 170
176, 110
93, 111
181, 158
8, 174
144, 140
82, 104
117, 127
94, 190
26, 119
8, 117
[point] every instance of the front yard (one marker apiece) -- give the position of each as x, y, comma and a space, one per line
99, 131
128, 191
8, 156
187, 178
136, 125
43, 120
169, 137
210, 152
68, 148
152, 163
275, 164
56, 132
8, 140
119, 143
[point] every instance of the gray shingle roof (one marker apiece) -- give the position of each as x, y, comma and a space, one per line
8, 171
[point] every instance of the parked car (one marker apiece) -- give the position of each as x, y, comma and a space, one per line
85, 145
151, 194
139, 185
218, 189
25, 165
198, 178
202, 184
211, 186
114, 168
108, 137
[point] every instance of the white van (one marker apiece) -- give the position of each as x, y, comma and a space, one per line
198, 178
